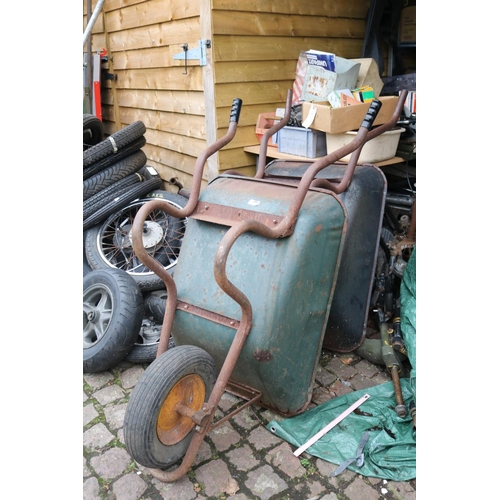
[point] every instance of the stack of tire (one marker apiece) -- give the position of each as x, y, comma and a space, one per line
123, 302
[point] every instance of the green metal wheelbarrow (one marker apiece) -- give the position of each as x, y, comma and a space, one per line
250, 300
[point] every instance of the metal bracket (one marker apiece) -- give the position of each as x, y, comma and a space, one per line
109, 76
199, 53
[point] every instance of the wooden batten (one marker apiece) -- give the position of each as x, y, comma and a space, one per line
253, 52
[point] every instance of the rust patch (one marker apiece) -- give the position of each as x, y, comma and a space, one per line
262, 356
318, 228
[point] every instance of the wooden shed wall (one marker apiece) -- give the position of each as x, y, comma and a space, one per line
255, 47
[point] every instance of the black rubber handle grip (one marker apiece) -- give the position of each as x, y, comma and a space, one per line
371, 114
235, 110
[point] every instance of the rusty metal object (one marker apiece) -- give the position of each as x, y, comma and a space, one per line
229, 216
261, 163
202, 421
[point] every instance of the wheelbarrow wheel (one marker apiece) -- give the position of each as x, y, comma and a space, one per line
155, 434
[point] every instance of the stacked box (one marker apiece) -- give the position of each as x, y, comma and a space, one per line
301, 142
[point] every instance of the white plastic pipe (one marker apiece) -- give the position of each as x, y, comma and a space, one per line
92, 21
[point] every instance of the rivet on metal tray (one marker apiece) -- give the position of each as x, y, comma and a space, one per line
275, 221
231, 323
185, 307
206, 207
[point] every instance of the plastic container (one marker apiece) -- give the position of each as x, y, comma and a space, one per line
381, 148
264, 122
302, 142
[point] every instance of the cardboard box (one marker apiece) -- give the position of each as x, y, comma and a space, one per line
369, 75
338, 120
319, 81
408, 25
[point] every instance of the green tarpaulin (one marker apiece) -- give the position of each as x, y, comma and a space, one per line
390, 452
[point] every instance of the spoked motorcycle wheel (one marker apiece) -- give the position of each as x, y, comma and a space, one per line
155, 434
109, 244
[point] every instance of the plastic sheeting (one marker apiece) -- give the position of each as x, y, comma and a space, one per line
390, 452
409, 315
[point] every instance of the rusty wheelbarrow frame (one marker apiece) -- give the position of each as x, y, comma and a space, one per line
202, 416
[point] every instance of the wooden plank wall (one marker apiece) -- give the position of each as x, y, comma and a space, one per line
255, 47
141, 37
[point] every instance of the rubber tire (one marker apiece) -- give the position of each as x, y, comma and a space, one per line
155, 304
102, 198
122, 200
115, 293
106, 147
113, 174
110, 160
146, 353
145, 402
86, 266
148, 280
93, 132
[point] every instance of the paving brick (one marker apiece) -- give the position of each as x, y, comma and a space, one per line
269, 416
282, 457
224, 436
243, 458
261, 438
227, 401
246, 418
86, 470
130, 377
321, 395
359, 490
324, 377
337, 365
214, 476
89, 413
97, 437
91, 489
340, 388
109, 394
129, 487
264, 482
182, 489
85, 397
401, 490
366, 368
311, 489
97, 380
204, 453
111, 463
115, 415
360, 382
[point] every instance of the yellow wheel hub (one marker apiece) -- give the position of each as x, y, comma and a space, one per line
171, 426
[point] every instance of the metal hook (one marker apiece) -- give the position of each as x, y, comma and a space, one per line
185, 48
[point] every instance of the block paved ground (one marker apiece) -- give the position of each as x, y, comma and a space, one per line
241, 460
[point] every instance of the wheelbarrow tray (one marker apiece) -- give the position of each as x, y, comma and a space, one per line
364, 201
289, 282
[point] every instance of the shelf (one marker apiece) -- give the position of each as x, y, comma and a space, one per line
272, 152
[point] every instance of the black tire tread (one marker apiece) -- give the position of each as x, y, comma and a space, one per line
114, 158
114, 173
128, 321
141, 354
93, 131
118, 202
98, 200
106, 148
148, 395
